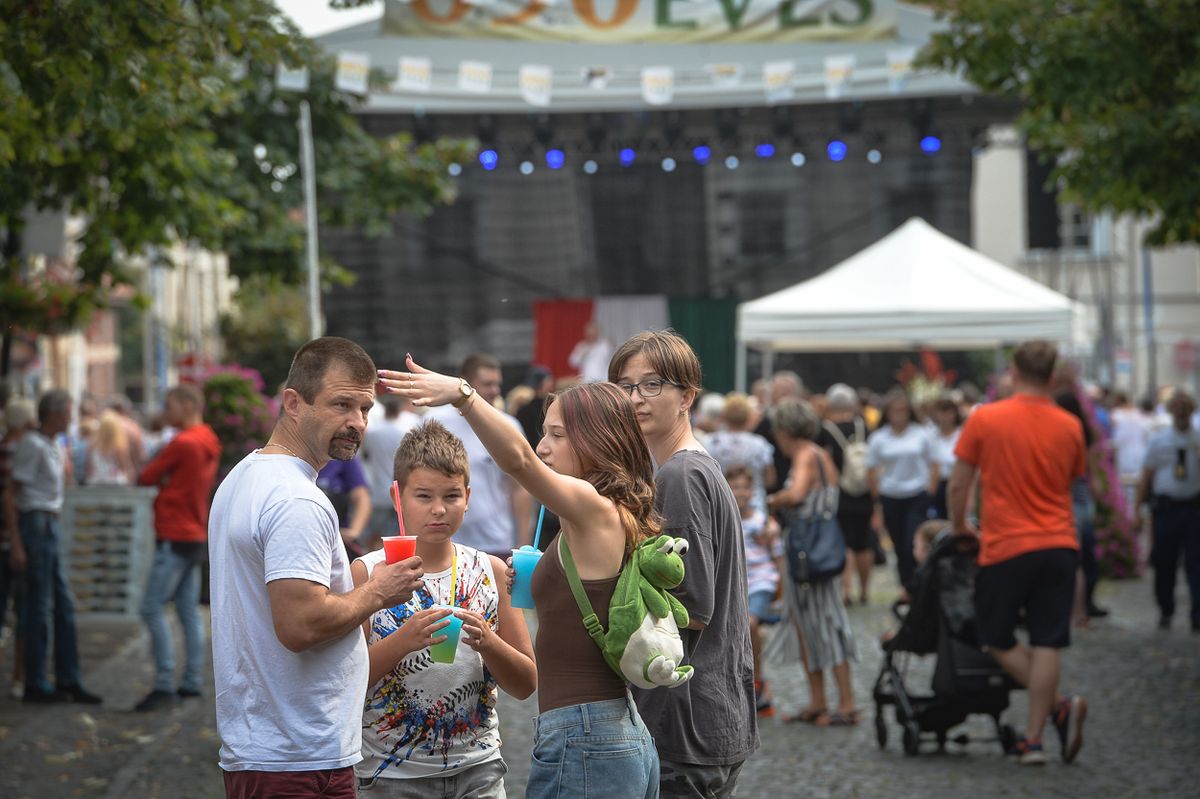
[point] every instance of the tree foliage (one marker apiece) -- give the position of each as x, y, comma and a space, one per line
1111, 88
157, 121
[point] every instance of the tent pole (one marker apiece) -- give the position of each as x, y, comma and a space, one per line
739, 367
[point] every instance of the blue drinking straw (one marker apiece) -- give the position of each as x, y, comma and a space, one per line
537, 536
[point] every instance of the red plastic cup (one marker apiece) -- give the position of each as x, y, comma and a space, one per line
399, 547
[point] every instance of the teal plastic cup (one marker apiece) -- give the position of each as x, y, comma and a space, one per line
524, 562
444, 652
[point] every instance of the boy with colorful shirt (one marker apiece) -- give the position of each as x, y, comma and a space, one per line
431, 728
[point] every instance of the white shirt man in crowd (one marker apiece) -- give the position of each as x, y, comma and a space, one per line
590, 356
380, 442
1171, 482
289, 656
501, 511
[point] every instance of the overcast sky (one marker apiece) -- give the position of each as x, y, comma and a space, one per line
315, 17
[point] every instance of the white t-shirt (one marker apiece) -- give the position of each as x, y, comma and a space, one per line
943, 450
279, 710
426, 719
591, 359
378, 453
902, 460
1131, 435
489, 525
37, 469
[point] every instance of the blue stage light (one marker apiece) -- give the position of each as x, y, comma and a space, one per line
702, 153
590, 167
627, 156
765, 150
488, 159
836, 150
555, 158
930, 145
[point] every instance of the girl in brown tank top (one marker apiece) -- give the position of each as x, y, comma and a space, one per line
593, 470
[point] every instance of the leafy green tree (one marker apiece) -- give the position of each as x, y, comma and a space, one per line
1111, 88
158, 121
269, 324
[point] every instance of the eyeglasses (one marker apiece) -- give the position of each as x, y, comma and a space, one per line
647, 388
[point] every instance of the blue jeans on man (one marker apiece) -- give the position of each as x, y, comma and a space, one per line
174, 577
45, 591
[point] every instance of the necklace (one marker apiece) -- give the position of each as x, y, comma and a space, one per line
282, 447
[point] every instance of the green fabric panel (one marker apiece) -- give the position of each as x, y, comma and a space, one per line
710, 326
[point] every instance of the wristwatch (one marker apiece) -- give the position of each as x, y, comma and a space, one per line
465, 391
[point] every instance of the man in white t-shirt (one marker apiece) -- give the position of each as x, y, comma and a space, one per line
380, 442
501, 511
590, 356
289, 656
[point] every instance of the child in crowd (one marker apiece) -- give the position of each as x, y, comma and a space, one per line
923, 539
430, 729
763, 548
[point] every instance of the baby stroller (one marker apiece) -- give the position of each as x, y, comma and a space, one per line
940, 621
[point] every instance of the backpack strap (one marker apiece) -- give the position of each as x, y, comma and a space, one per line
837, 434
591, 622
860, 430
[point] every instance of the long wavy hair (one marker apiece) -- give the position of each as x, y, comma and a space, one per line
600, 423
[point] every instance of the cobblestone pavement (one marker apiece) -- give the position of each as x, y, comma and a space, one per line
1142, 735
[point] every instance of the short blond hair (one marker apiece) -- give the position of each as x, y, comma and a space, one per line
431, 446
737, 410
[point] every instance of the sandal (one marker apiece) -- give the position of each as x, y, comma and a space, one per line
818, 717
844, 719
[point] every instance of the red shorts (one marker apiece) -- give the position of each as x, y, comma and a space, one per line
337, 783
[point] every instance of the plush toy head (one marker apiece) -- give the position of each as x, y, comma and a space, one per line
659, 561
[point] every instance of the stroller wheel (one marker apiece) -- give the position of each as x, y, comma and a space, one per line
880, 730
912, 739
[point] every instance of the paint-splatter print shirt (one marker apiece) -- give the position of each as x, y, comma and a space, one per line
427, 719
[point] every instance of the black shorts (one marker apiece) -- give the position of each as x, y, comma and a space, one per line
1042, 584
856, 529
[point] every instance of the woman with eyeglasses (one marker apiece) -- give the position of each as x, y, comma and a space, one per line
704, 729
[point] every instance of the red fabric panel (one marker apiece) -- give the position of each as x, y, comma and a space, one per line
557, 328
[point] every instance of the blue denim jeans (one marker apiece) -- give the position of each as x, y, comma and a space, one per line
174, 577
598, 750
44, 591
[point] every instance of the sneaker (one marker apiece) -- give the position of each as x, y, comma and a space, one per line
188, 693
1030, 753
77, 693
1094, 611
1069, 713
156, 700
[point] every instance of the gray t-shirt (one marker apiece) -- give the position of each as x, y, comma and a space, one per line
710, 719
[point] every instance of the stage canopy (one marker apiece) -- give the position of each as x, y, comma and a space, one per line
915, 287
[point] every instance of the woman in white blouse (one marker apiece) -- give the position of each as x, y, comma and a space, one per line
947, 421
903, 475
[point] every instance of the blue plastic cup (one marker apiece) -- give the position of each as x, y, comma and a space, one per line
524, 562
444, 652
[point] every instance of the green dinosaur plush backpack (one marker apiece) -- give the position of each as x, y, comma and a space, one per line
642, 643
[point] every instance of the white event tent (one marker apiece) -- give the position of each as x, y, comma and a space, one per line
914, 287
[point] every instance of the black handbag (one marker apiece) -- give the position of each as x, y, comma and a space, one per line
814, 544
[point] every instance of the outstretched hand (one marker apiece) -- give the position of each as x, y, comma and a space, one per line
419, 385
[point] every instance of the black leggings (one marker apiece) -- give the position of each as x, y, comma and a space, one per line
902, 517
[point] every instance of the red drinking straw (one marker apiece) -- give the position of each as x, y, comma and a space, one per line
396, 502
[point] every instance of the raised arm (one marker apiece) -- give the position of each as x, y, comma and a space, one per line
571, 498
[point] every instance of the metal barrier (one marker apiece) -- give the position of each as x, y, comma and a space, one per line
108, 547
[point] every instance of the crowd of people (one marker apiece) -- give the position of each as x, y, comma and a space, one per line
325, 683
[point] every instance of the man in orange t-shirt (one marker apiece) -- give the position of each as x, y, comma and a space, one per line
1026, 452
184, 472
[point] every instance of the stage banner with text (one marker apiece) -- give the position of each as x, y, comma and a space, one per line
643, 21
